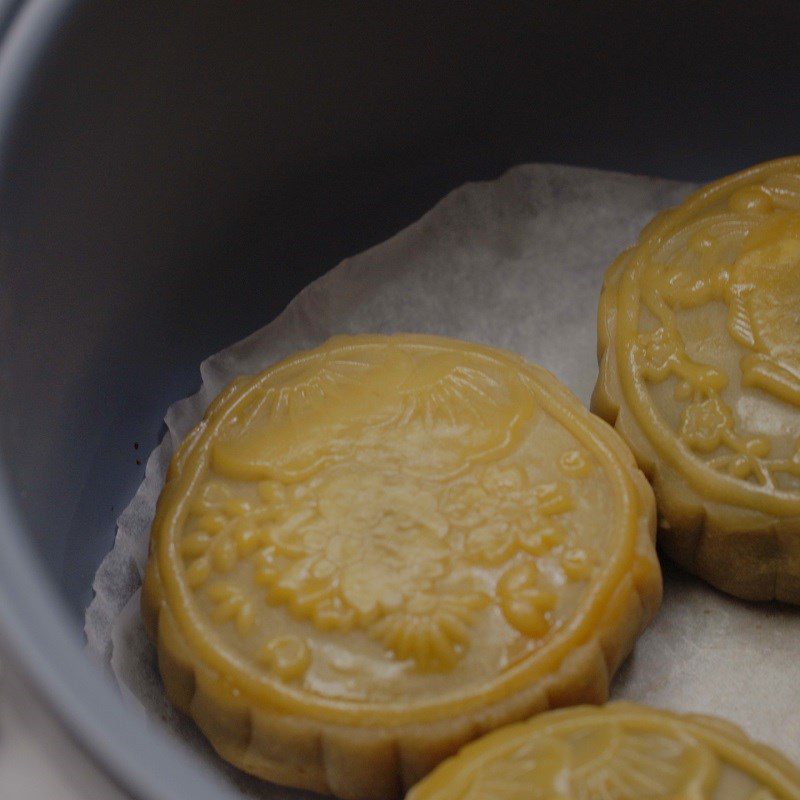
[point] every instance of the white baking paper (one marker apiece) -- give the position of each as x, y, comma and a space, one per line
517, 263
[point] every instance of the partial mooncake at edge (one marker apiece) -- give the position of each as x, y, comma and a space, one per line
379, 549
619, 751
699, 345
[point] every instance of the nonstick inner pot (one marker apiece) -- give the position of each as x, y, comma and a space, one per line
172, 173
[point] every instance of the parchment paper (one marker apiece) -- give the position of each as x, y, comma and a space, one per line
516, 263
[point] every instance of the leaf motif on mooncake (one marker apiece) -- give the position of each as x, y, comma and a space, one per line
739, 323
608, 763
433, 414
323, 401
460, 414
531, 771
764, 298
620, 764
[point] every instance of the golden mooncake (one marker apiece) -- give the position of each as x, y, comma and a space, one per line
619, 752
377, 550
699, 344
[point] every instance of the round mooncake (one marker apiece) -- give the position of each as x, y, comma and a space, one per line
377, 550
620, 751
699, 344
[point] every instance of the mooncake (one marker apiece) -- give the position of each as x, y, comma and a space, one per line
619, 751
379, 549
699, 345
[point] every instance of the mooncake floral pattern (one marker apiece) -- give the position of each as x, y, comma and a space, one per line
332, 555
463, 413
659, 354
341, 544
612, 763
502, 513
399, 513
431, 628
706, 424
746, 257
523, 599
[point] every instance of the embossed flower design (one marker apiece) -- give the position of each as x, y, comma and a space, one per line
606, 763
376, 552
232, 603
525, 601
432, 629
503, 513
220, 535
658, 351
348, 565
532, 770
706, 424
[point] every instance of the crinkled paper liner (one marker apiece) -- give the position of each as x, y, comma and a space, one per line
516, 263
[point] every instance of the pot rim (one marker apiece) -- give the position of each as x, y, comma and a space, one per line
37, 635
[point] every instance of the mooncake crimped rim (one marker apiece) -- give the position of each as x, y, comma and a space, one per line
611, 625
726, 739
709, 527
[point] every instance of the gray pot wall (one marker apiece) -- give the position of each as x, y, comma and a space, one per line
171, 173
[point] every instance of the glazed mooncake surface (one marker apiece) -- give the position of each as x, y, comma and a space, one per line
374, 551
620, 751
699, 338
